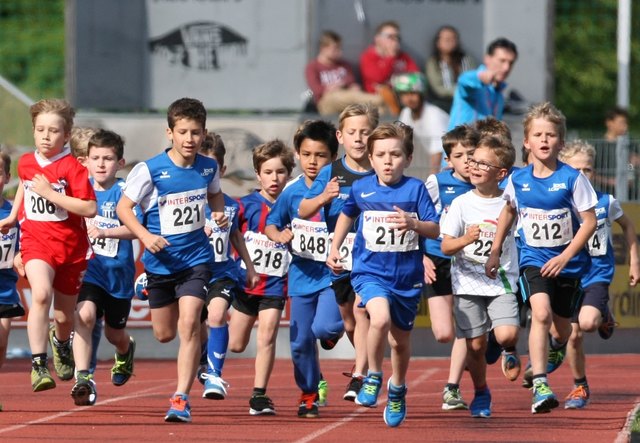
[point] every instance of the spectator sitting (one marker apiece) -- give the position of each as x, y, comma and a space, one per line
428, 121
331, 78
383, 59
448, 60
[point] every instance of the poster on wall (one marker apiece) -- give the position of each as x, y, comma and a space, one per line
217, 50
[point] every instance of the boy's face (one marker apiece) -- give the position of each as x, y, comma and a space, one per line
389, 160
103, 164
458, 160
353, 136
313, 156
333, 51
186, 137
582, 162
543, 140
49, 134
411, 100
618, 125
387, 42
484, 167
272, 176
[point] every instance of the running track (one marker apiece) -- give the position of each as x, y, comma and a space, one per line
135, 411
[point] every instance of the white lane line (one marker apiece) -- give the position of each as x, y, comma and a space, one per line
310, 437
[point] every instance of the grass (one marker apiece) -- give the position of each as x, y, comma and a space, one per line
635, 424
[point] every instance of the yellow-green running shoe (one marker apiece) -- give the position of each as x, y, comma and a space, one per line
63, 363
41, 379
122, 369
323, 392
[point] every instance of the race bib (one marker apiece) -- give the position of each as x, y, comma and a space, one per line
107, 247
381, 236
479, 250
182, 212
8, 244
346, 250
599, 241
39, 208
268, 257
310, 239
546, 228
219, 239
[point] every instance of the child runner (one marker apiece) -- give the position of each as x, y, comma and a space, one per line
273, 163
314, 311
54, 196
224, 284
172, 189
550, 199
443, 188
328, 192
480, 303
107, 287
387, 274
595, 313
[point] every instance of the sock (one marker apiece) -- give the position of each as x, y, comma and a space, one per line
555, 345
452, 386
217, 348
39, 359
181, 394
510, 349
540, 378
259, 391
357, 375
83, 374
397, 389
377, 375
581, 381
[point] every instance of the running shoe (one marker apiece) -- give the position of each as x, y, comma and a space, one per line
527, 377
261, 405
41, 379
122, 369
578, 398
480, 406
308, 406
544, 400
368, 394
63, 363
510, 365
323, 393
607, 326
180, 410
215, 388
556, 357
84, 391
353, 387
494, 350
202, 372
396, 410
452, 399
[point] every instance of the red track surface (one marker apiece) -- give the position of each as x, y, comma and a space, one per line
135, 411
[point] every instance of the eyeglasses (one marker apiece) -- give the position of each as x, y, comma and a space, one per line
481, 165
392, 36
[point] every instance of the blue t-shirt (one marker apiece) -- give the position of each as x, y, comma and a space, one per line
113, 267
548, 212
379, 252
224, 265
252, 219
306, 276
8, 248
600, 245
346, 176
173, 199
443, 188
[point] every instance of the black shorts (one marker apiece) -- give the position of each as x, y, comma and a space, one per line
564, 293
11, 310
166, 289
224, 288
343, 290
115, 310
596, 295
252, 304
442, 285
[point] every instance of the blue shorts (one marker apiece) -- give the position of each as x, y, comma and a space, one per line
403, 309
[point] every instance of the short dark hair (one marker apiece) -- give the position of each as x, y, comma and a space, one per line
466, 135
6, 160
107, 139
616, 112
213, 145
317, 130
492, 126
501, 147
503, 43
190, 108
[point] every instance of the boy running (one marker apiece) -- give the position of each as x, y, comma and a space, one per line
550, 200
388, 274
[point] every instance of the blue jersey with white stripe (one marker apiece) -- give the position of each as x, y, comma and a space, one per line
600, 245
306, 276
8, 248
443, 188
112, 268
379, 251
224, 264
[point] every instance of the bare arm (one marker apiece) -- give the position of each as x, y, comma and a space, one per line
11, 220
505, 221
309, 206
343, 226
405, 222
274, 234
632, 242
237, 240
216, 204
83, 208
154, 243
451, 245
121, 232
